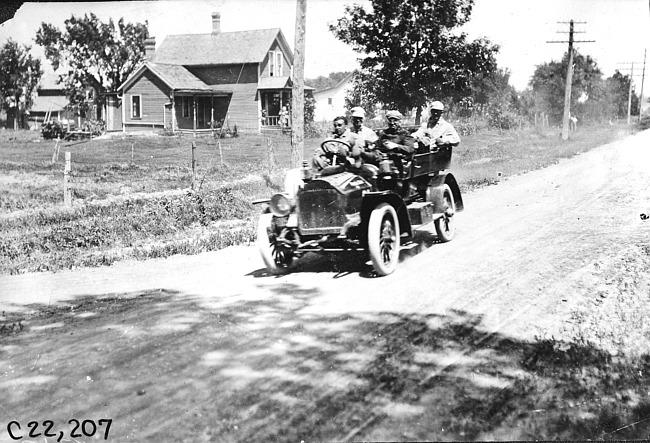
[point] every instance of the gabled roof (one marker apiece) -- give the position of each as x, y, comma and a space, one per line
220, 49
49, 81
176, 77
52, 103
342, 82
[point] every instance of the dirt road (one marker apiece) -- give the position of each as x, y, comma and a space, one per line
210, 348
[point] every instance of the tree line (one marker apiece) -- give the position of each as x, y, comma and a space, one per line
411, 53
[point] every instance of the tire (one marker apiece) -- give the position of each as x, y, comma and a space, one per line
445, 225
277, 258
383, 239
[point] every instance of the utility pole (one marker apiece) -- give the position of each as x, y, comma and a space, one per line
629, 97
298, 89
642, 80
569, 76
630, 88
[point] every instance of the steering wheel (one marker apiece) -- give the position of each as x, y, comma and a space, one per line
333, 148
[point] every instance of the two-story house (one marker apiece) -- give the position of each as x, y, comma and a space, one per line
194, 82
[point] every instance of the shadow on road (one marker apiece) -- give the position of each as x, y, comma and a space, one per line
173, 367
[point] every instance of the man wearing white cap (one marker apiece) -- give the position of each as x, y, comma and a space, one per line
436, 132
357, 115
366, 135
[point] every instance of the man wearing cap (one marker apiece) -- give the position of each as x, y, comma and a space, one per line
395, 141
366, 135
436, 132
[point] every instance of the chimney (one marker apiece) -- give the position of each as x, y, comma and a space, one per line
149, 48
216, 23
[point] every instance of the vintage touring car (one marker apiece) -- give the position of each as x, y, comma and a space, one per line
373, 211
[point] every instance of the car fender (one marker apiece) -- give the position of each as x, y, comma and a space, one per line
434, 191
373, 199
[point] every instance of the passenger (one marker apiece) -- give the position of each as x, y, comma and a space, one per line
436, 132
367, 135
369, 154
396, 141
340, 132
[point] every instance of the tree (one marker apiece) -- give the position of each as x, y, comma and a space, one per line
549, 82
19, 77
413, 52
618, 87
92, 53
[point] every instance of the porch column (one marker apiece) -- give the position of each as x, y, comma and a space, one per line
211, 111
174, 123
194, 110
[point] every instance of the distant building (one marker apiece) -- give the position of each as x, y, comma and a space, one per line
50, 102
330, 102
196, 82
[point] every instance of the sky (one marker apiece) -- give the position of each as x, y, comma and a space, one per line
620, 28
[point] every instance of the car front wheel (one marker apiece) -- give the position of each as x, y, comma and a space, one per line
383, 239
277, 257
445, 226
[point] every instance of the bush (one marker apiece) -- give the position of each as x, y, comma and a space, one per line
53, 129
502, 118
645, 122
95, 127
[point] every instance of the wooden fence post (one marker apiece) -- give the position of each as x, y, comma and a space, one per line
193, 165
55, 153
272, 163
67, 194
132, 149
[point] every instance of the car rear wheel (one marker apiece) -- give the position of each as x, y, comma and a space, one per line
383, 239
445, 225
276, 256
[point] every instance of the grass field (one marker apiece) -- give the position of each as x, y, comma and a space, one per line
132, 195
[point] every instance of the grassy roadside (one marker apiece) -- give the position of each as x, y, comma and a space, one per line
132, 198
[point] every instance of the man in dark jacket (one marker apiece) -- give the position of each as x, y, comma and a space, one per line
395, 141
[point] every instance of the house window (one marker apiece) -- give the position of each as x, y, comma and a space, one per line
275, 63
185, 103
135, 106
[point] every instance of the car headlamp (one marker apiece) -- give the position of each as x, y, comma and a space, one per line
280, 205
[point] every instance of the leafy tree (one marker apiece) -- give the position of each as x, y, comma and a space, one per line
92, 53
322, 82
549, 83
19, 77
618, 87
413, 52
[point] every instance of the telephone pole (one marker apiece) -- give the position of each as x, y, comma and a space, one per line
569, 76
642, 80
630, 88
298, 89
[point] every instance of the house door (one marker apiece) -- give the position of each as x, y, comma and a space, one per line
203, 112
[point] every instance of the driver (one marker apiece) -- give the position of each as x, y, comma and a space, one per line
437, 131
342, 133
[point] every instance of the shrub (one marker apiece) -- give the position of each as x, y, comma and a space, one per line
53, 129
95, 127
645, 122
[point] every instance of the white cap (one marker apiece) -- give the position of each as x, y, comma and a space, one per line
358, 111
437, 106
